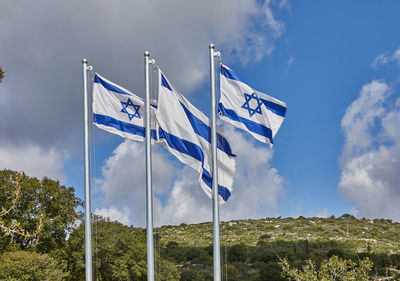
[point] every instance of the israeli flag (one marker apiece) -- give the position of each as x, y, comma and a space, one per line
119, 111
257, 113
185, 132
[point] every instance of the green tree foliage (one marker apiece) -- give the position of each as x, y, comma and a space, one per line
13, 228
119, 253
45, 203
26, 265
189, 274
334, 269
39, 222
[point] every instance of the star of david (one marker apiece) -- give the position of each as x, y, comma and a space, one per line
247, 106
125, 106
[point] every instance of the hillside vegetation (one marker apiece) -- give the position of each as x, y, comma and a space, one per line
256, 249
42, 237
378, 235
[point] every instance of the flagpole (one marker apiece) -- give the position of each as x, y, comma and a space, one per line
216, 250
149, 192
88, 229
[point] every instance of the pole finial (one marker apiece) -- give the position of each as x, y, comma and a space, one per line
84, 61
147, 54
212, 46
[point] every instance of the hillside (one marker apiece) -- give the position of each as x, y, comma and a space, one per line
379, 235
252, 249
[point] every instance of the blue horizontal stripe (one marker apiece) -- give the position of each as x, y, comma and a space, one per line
274, 107
203, 130
195, 151
228, 73
165, 83
181, 145
222, 190
252, 126
109, 86
122, 126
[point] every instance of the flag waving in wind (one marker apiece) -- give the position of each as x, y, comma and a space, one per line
257, 113
118, 111
185, 132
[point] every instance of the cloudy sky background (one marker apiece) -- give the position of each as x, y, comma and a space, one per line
336, 65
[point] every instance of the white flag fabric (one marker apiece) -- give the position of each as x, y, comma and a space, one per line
257, 113
119, 111
185, 132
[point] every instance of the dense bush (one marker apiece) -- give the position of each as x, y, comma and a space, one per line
25, 265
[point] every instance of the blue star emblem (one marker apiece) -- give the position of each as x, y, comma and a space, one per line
125, 106
246, 104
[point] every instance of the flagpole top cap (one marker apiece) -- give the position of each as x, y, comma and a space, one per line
84, 61
147, 54
212, 46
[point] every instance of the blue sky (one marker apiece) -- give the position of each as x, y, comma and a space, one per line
333, 62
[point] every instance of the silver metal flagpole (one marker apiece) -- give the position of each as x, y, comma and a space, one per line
149, 192
88, 226
216, 250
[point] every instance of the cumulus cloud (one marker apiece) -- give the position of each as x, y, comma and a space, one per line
256, 187
178, 196
44, 41
34, 161
123, 182
114, 214
371, 155
360, 118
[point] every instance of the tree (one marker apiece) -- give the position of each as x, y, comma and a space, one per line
25, 265
333, 269
45, 203
119, 253
14, 228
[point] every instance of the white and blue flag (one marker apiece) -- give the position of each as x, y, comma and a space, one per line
119, 111
185, 132
257, 113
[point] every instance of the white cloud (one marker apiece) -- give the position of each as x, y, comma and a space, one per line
361, 115
396, 55
114, 214
123, 182
276, 26
43, 43
323, 213
256, 185
385, 58
371, 156
381, 59
33, 160
255, 190
187, 203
